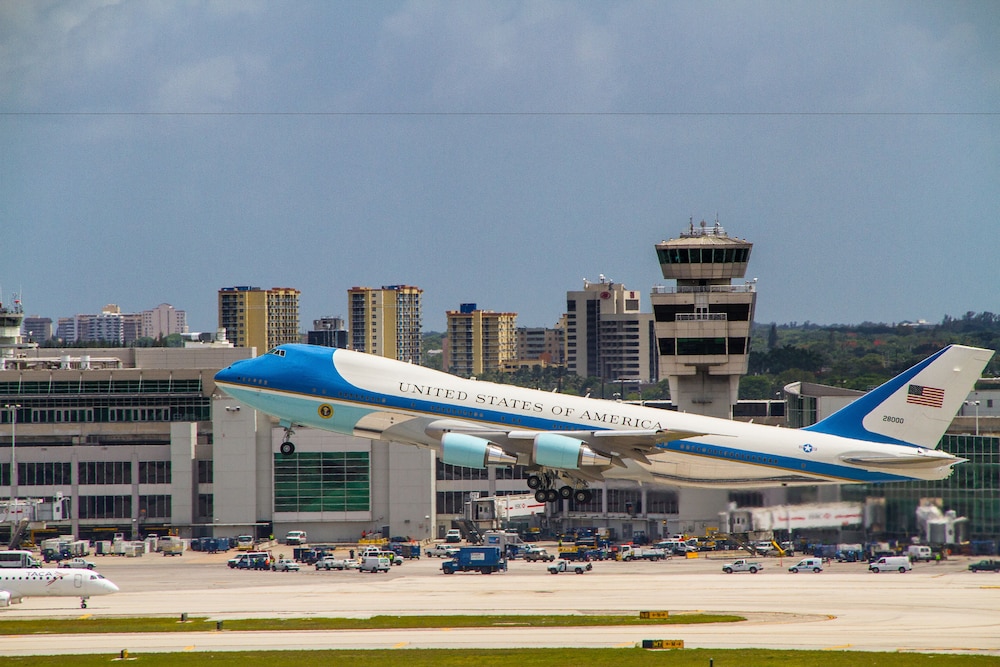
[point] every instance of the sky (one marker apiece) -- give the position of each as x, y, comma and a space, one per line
498, 153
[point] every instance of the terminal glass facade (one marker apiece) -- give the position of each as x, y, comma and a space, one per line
322, 482
972, 491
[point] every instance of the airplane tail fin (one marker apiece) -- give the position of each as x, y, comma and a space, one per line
915, 407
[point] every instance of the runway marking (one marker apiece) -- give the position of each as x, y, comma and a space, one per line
401, 644
189, 648
838, 648
86, 616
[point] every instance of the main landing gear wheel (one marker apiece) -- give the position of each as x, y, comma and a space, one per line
582, 496
83, 603
551, 495
534, 482
540, 496
566, 492
287, 447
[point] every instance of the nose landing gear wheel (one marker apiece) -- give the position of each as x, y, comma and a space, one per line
287, 448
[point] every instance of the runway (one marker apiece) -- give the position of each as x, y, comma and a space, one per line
935, 608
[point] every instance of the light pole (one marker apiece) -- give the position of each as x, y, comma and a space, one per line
12, 408
975, 403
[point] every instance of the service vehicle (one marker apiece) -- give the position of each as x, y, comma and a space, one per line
171, 546
628, 552
537, 553
919, 552
333, 563
567, 566
405, 549
81, 563
251, 560
985, 566
453, 536
899, 564
374, 564
296, 537
808, 565
393, 557
18, 558
244, 543
476, 559
284, 565
441, 551
742, 565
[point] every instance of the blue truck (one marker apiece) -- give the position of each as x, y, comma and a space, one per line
476, 559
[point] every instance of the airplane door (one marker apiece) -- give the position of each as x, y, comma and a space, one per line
77, 580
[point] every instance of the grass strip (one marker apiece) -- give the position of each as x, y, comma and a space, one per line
633, 657
89, 624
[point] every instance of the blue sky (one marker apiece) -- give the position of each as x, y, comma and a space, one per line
498, 152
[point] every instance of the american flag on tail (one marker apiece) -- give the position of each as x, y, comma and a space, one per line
932, 397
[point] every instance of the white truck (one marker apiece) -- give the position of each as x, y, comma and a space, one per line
742, 565
567, 566
627, 552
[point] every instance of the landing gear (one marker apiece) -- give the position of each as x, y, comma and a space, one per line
287, 447
83, 603
547, 492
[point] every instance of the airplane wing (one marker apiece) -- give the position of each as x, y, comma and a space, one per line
616, 446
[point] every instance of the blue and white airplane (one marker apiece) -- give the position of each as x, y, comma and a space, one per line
567, 442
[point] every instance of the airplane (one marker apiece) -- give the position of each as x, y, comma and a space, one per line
566, 442
19, 583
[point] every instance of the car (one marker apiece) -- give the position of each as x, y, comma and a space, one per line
985, 566
567, 566
537, 553
81, 563
453, 536
296, 537
284, 565
441, 551
331, 563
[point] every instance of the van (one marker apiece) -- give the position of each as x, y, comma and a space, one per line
296, 537
808, 565
890, 564
374, 564
919, 552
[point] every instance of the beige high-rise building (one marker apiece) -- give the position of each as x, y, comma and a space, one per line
703, 324
479, 340
606, 335
258, 318
386, 321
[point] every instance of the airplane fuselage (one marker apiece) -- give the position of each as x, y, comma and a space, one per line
364, 395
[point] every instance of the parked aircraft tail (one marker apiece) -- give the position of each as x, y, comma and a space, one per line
915, 407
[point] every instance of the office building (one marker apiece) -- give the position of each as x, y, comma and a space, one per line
37, 329
541, 344
607, 336
260, 319
163, 321
479, 340
386, 321
328, 332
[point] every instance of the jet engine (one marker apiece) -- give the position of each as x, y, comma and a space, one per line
559, 451
4, 599
460, 449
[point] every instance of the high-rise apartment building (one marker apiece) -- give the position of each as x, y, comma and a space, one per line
329, 332
386, 321
542, 344
258, 318
703, 324
606, 335
479, 340
163, 321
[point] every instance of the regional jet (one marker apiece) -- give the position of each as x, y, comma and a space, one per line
890, 434
19, 583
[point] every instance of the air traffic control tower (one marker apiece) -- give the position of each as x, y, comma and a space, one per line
703, 324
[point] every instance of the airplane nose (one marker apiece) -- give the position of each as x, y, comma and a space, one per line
111, 586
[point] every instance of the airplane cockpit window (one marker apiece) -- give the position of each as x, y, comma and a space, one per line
276, 351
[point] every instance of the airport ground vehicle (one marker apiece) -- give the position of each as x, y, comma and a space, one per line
171, 546
331, 563
808, 565
919, 552
985, 566
567, 566
18, 559
890, 564
627, 552
405, 549
537, 553
296, 537
742, 565
476, 559
453, 536
252, 560
284, 565
374, 564
244, 542
82, 563
441, 551
391, 556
